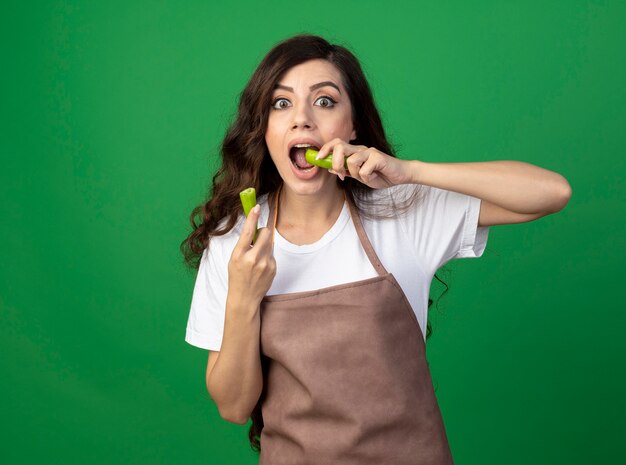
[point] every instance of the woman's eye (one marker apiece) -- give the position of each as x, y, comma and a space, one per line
280, 106
330, 104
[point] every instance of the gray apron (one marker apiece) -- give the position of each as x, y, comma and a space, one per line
346, 381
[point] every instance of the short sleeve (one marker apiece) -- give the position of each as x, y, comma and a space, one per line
205, 326
443, 225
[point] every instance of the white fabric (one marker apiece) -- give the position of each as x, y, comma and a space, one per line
441, 226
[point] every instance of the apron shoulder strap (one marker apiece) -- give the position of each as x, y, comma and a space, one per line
365, 242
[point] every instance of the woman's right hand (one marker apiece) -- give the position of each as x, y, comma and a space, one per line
251, 268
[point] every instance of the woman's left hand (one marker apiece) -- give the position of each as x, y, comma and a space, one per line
366, 164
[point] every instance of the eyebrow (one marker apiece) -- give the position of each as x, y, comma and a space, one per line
313, 87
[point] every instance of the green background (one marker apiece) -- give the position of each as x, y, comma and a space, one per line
112, 115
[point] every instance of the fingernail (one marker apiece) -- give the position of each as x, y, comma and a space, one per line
318, 156
256, 208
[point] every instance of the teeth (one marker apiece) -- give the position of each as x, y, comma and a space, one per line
303, 145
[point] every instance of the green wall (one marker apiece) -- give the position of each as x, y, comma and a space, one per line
112, 114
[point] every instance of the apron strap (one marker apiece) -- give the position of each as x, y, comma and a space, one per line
365, 242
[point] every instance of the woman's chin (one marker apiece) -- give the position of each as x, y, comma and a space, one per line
308, 182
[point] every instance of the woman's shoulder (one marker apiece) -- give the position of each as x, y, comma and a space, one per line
389, 202
397, 191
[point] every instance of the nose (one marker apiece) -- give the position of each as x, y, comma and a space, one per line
302, 117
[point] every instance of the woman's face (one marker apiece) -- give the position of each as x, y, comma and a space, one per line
309, 105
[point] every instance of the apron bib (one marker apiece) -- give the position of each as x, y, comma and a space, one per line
346, 381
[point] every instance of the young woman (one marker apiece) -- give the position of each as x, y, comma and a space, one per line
316, 331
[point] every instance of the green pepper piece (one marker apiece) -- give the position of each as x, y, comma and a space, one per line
326, 162
248, 201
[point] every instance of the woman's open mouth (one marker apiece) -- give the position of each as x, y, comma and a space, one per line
296, 154
300, 167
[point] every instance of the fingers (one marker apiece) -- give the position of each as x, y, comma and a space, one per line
355, 164
327, 148
366, 171
263, 243
338, 156
362, 162
249, 228
252, 267
341, 153
370, 167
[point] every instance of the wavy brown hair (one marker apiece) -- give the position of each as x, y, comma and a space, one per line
246, 161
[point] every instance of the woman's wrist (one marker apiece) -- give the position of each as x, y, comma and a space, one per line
243, 306
414, 171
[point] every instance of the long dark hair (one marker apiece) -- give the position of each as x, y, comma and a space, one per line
246, 161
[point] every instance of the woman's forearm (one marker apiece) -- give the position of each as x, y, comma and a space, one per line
514, 185
236, 381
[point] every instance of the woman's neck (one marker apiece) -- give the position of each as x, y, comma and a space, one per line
304, 219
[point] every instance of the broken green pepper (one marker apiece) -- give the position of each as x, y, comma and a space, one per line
326, 162
248, 201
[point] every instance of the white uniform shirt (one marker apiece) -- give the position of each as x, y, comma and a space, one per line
441, 226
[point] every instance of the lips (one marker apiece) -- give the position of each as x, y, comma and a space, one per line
304, 140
